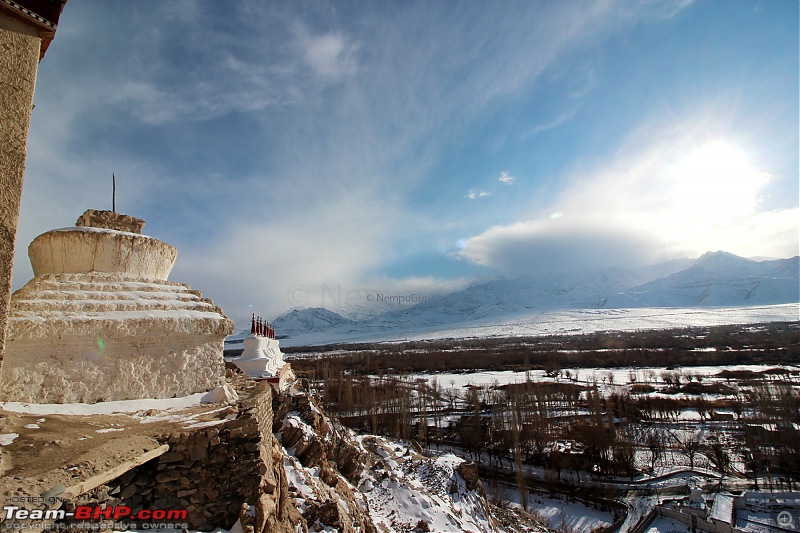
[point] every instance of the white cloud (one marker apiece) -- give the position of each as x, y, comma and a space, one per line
677, 197
331, 55
474, 194
505, 178
262, 258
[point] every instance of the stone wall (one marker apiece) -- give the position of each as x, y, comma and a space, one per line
234, 470
214, 472
19, 57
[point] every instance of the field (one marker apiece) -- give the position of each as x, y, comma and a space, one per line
593, 416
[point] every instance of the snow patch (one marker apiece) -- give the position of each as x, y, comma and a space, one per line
7, 438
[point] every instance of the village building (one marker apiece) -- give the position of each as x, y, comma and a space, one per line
728, 512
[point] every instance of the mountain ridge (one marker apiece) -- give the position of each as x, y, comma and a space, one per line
713, 279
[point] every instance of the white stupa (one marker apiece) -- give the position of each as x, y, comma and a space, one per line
99, 321
262, 358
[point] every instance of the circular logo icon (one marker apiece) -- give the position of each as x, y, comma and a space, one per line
297, 295
785, 519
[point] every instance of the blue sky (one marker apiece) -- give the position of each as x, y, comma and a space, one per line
292, 150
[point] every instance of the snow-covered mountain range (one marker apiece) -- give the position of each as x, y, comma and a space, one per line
717, 279
714, 279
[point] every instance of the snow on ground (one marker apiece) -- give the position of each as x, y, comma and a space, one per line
103, 408
145, 411
569, 516
618, 376
306, 487
561, 322
298, 478
107, 408
405, 489
666, 525
556, 512
764, 509
7, 438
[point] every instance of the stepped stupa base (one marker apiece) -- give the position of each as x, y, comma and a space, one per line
102, 336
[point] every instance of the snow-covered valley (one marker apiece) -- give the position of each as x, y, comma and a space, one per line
534, 323
716, 288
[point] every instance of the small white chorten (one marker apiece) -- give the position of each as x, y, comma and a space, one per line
262, 357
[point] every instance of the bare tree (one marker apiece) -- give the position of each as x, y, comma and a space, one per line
689, 444
655, 443
516, 431
718, 453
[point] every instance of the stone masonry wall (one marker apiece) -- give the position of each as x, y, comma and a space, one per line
212, 471
19, 59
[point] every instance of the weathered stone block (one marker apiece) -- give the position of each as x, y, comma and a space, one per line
95, 218
128, 492
167, 475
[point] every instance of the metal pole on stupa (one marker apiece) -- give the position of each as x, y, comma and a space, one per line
253, 325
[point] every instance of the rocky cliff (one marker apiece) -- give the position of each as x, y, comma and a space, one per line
244, 458
340, 481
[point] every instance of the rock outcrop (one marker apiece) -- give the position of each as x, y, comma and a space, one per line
328, 499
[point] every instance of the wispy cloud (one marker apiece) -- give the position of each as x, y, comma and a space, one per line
588, 83
563, 118
506, 178
332, 55
474, 194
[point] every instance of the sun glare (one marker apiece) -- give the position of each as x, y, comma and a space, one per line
718, 182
